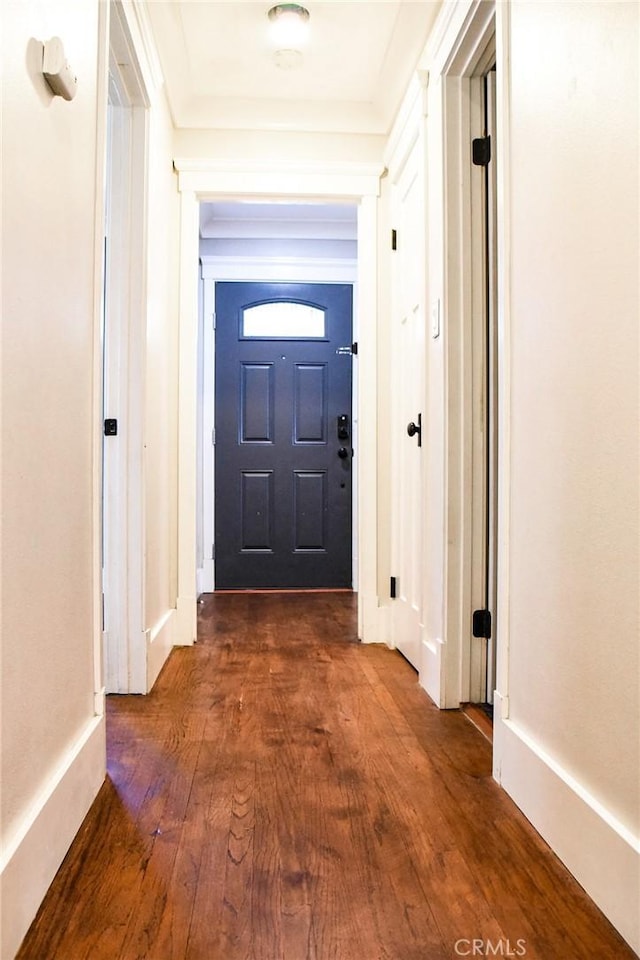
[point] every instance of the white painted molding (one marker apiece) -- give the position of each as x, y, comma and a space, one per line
186, 621
97, 359
457, 46
287, 269
124, 380
451, 34
99, 698
187, 421
202, 581
601, 853
448, 22
405, 128
383, 631
198, 182
253, 166
160, 641
273, 179
366, 326
39, 842
431, 673
147, 64
503, 55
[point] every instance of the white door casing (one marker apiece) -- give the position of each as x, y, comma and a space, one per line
454, 55
494, 360
201, 181
124, 639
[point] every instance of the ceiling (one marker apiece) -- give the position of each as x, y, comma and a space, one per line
221, 70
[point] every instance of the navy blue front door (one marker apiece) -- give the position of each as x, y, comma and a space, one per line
283, 435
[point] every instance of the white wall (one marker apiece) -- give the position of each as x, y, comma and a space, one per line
572, 737
53, 757
278, 145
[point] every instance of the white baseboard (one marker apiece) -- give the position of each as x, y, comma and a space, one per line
160, 642
368, 618
185, 632
204, 578
207, 577
38, 844
599, 851
431, 669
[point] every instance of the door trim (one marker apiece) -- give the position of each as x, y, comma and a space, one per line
124, 646
202, 180
251, 269
464, 297
453, 56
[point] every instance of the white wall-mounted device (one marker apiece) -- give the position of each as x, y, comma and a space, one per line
57, 71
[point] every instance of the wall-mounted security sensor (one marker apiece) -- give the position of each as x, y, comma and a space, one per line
57, 71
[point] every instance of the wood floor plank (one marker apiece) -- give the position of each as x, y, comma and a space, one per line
287, 793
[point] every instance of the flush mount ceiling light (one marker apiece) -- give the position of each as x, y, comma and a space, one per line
289, 26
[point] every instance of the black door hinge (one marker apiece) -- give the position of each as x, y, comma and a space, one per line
482, 623
481, 151
394, 240
392, 587
110, 428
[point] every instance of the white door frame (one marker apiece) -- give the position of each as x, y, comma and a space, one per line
202, 181
453, 57
464, 298
124, 640
464, 294
474, 676
265, 269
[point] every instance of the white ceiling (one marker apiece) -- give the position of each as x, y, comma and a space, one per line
221, 72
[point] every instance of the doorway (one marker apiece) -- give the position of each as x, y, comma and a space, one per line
123, 337
283, 435
351, 183
304, 252
471, 357
484, 388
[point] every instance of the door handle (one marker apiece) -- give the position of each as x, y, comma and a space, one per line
343, 453
415, 429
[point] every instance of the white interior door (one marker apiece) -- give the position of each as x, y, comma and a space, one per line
408, 363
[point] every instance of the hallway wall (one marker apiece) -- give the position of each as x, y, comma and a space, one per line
281, 145
53, 758
571, 670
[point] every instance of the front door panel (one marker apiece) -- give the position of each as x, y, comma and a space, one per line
283, 437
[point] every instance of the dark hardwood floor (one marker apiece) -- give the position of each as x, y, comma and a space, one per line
286, 793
